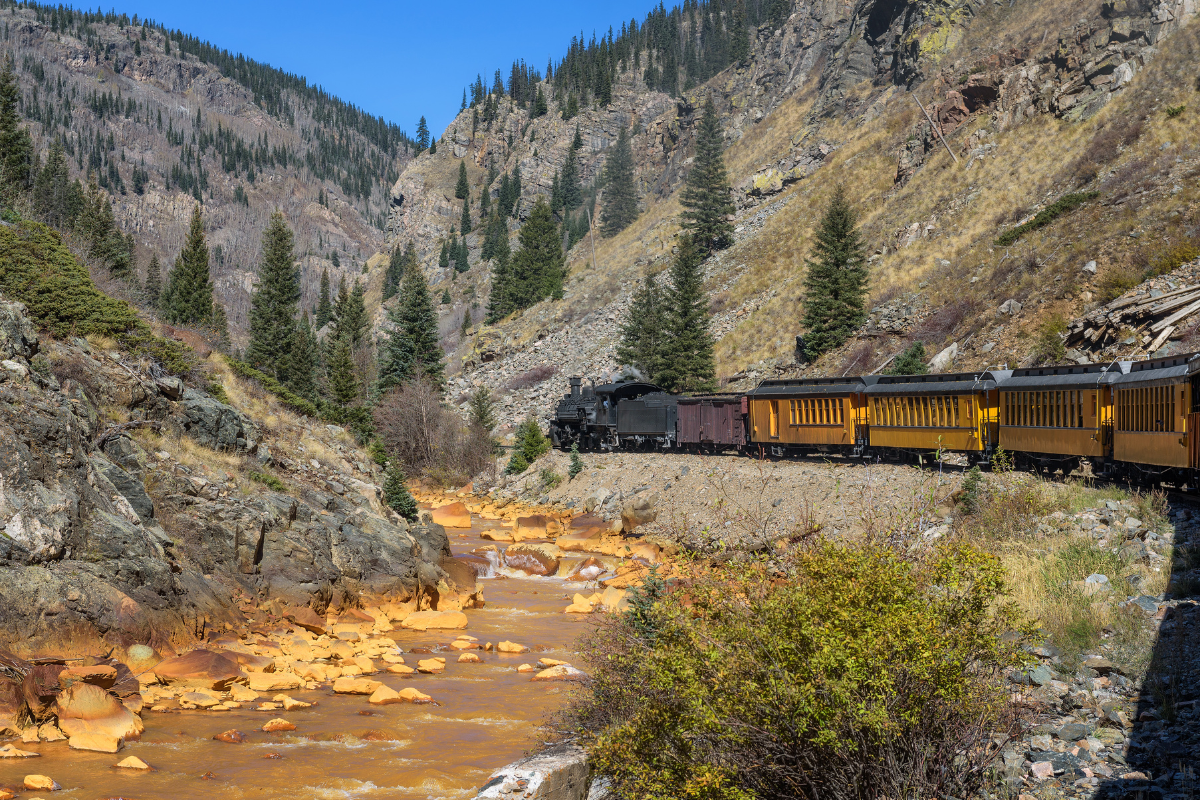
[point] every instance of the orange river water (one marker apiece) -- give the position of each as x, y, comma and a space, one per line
486, 717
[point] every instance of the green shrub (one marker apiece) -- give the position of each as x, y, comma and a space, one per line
1172, 258
530, 442
1175, 111
37, 269
1063, 205
550, 478
378, 452
576, 463
396, 494
268, 479
1049, 347
911, 361
972, 489
217, 390
516, 464
842, 671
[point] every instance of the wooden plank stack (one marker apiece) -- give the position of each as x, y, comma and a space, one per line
1152, 319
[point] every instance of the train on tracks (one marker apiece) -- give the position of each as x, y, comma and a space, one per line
1134, 420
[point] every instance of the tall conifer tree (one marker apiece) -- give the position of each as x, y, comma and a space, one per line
153, 286
274, 302
302, 360
412, 347
16, 145
687, 353
464, 221
191, 295
620, 192
538, 267
644, 330
343, 383
835, 288
706, 196
324, 303
463, 189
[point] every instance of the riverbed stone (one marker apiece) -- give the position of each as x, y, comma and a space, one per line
231, 737
400, 669
454, 515
274, 681
133, 762
95, 742
435, 620
431, 666
11, 751
278, 725
40, 783
469, 658
385, 696
511, 647
562, 672
540, 558
560, 773
87, 709
412, 695
355, 686
201, 669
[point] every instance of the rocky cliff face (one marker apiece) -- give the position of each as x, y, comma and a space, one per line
125, 514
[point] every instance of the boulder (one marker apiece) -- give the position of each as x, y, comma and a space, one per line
511, 647
216, 425
586, 570
454, 515
40, 783
133, 762
141, 658
307, 618
410, 695
400, 669
278, 725
560, 773
86, 709
533, 558
944, 359
432, 666
469, 658
580, 539
496, 535
10, 751
18, 337
201, 669
435, 620
231, 737
274, 681
40, 688
535, 526
95, 742
562, 672
355, 686
637, 512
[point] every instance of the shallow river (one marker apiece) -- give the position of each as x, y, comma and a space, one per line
343, 747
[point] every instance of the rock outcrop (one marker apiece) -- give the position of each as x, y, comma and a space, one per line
100, 539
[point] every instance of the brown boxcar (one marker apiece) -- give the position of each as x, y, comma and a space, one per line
1060, 411
712, 421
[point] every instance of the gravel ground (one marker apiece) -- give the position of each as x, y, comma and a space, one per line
735, 500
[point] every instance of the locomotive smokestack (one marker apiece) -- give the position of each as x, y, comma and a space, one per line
575, 384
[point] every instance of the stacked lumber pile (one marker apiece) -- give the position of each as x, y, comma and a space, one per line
1152, 319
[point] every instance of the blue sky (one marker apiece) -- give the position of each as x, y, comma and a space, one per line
398, 60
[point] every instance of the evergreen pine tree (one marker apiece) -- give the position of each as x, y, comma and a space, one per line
504, 198
355, 321
620, 192
391, 277
539, 104
153, 285
644, 330
485, 202
343, 383
571, 110
515, 212
191, 293
556, 196
324, 305
444, 256
465, 330
687, 349
835, 287
412, 347
340, 305
500, 301
569, 185
273, 304
432, 146
220, 327
482, 409
463, 107
422, 135
463, 189
446, 299
464, 221
462, 261
577, 141
706, 196
16, 145
396, 493
538, 267
576, 463
302, 360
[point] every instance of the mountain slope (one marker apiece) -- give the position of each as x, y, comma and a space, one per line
161, 119
1037, 100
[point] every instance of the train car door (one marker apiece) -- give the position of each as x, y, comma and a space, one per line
774, 422
1193, 422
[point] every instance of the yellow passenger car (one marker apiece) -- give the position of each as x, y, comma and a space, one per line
1060, 413
926, 413
813, 414
1151, 408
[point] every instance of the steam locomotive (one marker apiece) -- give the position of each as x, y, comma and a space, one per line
1134, 419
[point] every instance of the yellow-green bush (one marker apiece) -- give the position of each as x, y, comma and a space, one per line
850, 671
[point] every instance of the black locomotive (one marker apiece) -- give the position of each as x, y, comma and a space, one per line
614, 415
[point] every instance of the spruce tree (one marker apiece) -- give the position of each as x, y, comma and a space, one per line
465, 330
16, 145
412, 348
391, 277
153, 285
539, 104
444, 256
274, 302
302, 360
569, 185
422, 135
396, 493
687, 349
446, 299
835, 288
706, 197
485, 202
340, 305
644, 330
343, 383
482, 409
556, 195
191, 292
324, 305
464, 221
620, 192
911, 361
463, 189
354, 322
538, 267
220, 326
462, 261
515, 212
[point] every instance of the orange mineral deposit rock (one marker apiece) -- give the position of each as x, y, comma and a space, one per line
454, 515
